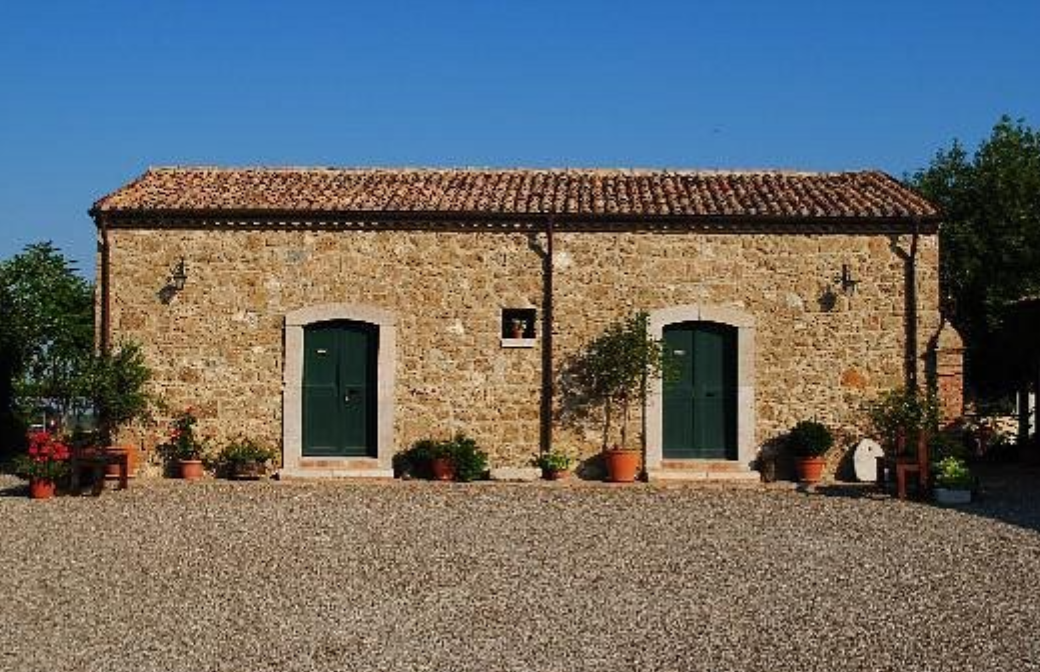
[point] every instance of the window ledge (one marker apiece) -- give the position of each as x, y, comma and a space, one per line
518, 342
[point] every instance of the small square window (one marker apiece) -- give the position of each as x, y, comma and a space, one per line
518, 323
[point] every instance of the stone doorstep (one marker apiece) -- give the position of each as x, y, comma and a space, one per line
337, 468
703, 470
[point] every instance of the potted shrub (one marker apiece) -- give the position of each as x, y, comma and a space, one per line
953, 481
808, 441
245, 459
183, 451
612, 373
455, 459
117, 383
554, 464
45, 464
517, 327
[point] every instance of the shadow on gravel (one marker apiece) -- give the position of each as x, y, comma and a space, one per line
18, 490
1008, 492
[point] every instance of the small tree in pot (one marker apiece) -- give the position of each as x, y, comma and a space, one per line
613, 373
808, 441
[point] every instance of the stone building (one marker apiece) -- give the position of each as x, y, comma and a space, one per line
344, 314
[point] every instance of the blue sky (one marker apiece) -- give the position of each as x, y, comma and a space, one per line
92, 93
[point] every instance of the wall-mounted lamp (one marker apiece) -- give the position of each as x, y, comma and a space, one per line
846, 281
178, 275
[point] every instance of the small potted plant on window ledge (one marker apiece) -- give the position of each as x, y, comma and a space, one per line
46, 463
517, 327
555, 464
809, 440
244, 459
183, 451
953, 481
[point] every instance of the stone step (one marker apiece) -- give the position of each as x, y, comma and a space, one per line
703, 470
350, 467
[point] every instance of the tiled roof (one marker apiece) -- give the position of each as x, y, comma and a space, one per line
863, 195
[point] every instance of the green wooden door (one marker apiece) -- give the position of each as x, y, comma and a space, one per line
339, 367
700, 401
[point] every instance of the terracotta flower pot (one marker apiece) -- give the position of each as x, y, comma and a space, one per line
622, 465
191, 470
810, 469
443, 469
40, 488
555, 474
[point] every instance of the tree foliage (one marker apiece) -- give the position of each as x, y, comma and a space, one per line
613, 371
990, 237
48, 325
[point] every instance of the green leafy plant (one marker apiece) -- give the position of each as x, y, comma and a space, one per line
902, 412
47, 459
613, 372
241, 450
414, 462
116, 386
810, 439
183, 444
952, 473
554, 460
470, 462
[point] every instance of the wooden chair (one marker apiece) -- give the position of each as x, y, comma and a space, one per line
921, 467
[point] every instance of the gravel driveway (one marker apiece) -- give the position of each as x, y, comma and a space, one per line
421, 576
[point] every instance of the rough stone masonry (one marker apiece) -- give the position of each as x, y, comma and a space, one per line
447, 274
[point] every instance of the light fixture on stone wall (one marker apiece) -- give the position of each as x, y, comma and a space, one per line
178, 275
846, 281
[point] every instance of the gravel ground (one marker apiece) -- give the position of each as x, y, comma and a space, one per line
421, 576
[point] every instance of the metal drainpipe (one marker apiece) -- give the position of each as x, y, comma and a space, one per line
105, 337
911, 319
547, 342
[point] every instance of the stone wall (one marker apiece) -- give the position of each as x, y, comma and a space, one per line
218, 344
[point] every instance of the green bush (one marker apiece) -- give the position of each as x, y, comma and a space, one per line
242, 449
470, 462
810, 439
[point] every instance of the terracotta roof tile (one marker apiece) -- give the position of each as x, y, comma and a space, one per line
582, 192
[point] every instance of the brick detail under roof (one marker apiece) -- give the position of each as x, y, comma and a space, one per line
862, 195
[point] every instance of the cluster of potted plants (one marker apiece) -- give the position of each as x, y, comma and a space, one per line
455, 459
46, 463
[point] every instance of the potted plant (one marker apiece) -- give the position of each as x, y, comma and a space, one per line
117, 389
612, 373
517, 327
183, 449
554, 464
47, 462
953, 481
808, 441
245, 459
455, 459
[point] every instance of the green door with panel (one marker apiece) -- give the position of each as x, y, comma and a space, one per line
339, 389
700, 397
